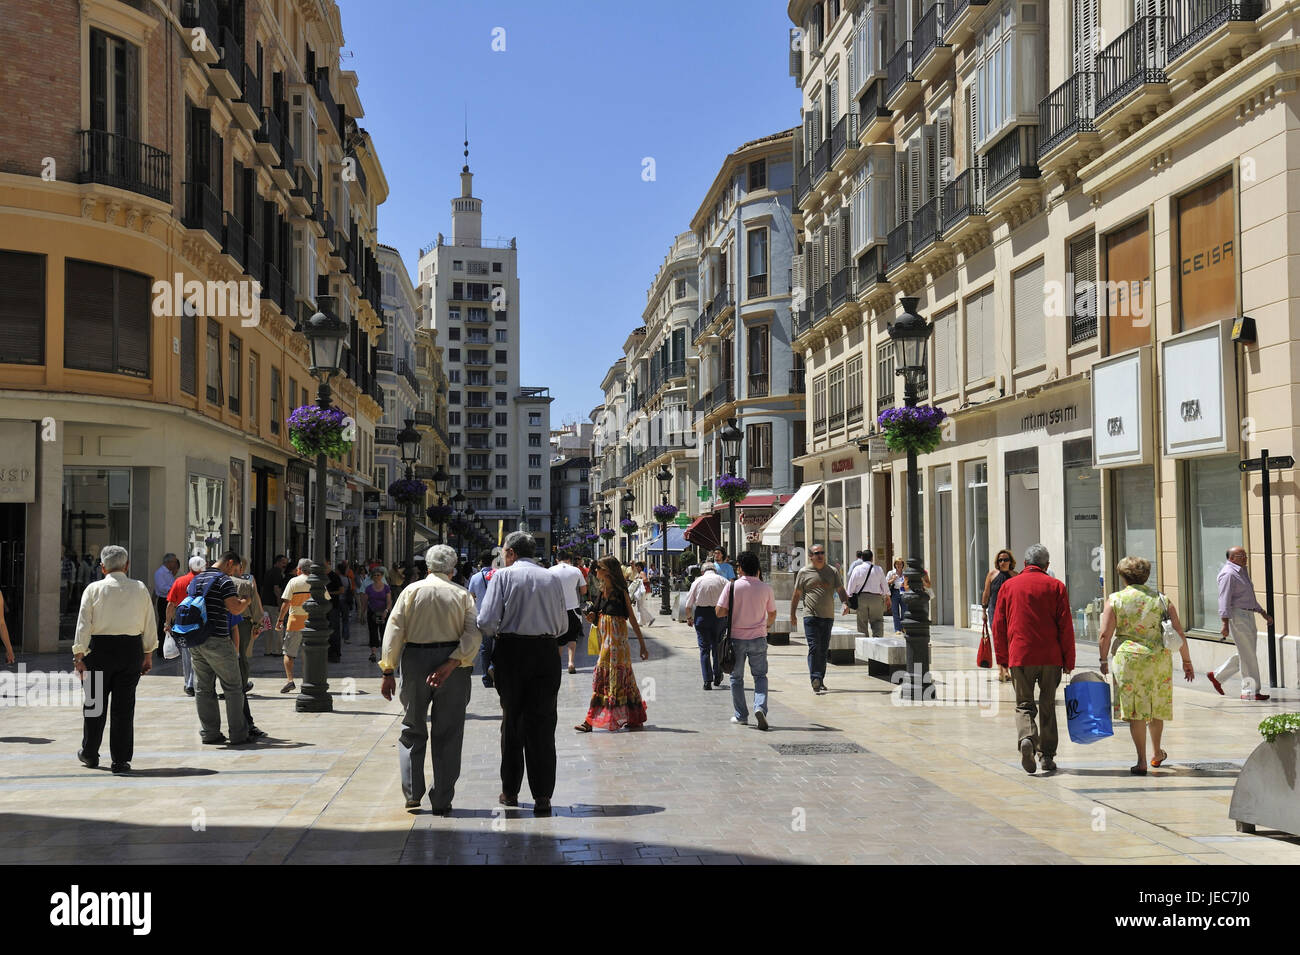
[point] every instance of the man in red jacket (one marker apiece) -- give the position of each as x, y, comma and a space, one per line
1034, 632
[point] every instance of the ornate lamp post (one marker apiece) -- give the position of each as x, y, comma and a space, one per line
910, 334
609, 516
731, 437
665, 479
457, 500
325, 335
628, 500
408, 439
440, 481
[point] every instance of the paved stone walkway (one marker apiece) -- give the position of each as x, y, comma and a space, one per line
882, 783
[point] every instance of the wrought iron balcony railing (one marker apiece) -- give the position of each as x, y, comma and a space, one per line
926, 224
114, 160
899, 70
898, 246
202, 209
963, 197
1135, 59
1194, 20
1067, 111
1012, 158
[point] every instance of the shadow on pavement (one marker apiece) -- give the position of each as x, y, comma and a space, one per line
34, 740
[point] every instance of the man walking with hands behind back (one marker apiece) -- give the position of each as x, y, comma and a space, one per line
524, 610
1033, 631
817, 586
1237, 608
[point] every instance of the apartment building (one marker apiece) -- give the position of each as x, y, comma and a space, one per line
1085, 198
183, 184
747, 370
498, 430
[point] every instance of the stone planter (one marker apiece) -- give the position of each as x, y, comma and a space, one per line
1266, 793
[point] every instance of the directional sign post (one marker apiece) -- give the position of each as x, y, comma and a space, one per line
1264, 464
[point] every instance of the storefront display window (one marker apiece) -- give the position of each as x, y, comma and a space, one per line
206, 516
1213, 515
834, 536
852, 517
1133, 500
96, 513
975, 477
1021, 470
1083, 567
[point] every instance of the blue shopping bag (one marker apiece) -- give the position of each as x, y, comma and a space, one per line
1087, 708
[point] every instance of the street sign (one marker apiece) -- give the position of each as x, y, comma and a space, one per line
1277, 463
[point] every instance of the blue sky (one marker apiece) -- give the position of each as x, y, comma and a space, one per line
559, 123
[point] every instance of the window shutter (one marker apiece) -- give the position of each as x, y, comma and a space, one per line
216, 169
796, 52
833, 97
943, 133
972, 126
853, 73
134, 314
22, 308
901, 194
98, 80
988, 333
914, 176
846, 238
1029, 320
131, 108
833, 247
975, 338
930, 148
189, 359
88, 317
1083, 266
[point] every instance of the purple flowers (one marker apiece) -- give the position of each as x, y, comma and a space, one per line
439, 513
403, 490
607, 533
916, 429
629, 526
731, 488
665, 512
314, 430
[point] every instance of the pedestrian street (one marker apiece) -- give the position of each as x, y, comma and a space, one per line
844, 777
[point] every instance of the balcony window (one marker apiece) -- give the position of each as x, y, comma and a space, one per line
884, 375
1009, 70
853, 389
757, 263
758, 454
534, 440
214, 362
107, 319
22, 308
835, 390
234, 348
277, 411
819, 404
1083, 310
534, 460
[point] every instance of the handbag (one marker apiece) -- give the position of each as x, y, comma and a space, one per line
1168, 634
593, 642
853, 598
984, 656
726, 646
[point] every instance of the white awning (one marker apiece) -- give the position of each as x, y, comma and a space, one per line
789, 512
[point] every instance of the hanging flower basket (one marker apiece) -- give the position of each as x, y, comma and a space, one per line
403, 490
607, 533
629, 526
916, 429
314, 430
665, 512
439, 513
731, 489
592, 537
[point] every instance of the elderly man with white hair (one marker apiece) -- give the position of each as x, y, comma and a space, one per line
431, 637
115, 639
180, 590
701, 604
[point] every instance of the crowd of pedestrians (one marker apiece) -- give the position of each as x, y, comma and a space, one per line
518, 621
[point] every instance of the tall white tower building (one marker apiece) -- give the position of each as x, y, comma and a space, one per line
498, 431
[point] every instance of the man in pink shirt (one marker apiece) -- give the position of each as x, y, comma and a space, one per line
755, 612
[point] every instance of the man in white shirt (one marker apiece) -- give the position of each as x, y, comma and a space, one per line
867, 583
701, 603
575, 588
117, 632
163, 578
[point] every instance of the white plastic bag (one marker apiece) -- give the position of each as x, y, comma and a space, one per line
170, 650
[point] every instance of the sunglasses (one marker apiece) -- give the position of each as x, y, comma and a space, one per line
818, 553
1004, 560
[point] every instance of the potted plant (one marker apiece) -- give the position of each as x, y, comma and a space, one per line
731, 489
403, 491
439, 513
314, 430
1267, 791
628, 525
607, 533
665, 512
918, 429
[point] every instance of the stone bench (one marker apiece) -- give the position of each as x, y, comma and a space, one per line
843, 647
882, 655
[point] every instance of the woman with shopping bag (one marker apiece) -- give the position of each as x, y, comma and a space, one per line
615, 697
1004, 568
1143, 689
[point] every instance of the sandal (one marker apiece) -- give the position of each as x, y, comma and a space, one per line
1156, 763
583, 727
1138, 770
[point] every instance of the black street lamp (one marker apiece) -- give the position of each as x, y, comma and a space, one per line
440, 481
910, 334
408, 439
325, 335
457, 500
731, 437
608, 511
665, 479
628, 500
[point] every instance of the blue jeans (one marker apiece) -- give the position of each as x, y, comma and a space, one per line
187, 668
896, 603
706, 635
485, 658
817, 630
755, 651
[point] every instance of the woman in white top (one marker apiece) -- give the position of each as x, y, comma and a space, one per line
640, 594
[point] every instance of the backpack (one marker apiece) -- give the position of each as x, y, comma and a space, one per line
192, 627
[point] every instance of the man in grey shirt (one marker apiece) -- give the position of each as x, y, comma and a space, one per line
523, 609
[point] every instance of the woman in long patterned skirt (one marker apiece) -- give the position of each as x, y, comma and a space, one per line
615, 699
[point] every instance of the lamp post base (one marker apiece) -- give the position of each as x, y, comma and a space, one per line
917, 682
314, 696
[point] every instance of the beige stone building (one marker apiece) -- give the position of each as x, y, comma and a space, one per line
147, 146
1085, 197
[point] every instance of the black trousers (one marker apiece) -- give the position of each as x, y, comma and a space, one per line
160, 611
112, 674
527, 678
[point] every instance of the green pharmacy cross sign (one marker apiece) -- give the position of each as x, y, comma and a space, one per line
682, 520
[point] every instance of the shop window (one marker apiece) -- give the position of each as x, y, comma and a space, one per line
1082, 527
1212, 516
1021, 471
214, 362
206, 511
276, 410
96, 513
1133, 519
975, 530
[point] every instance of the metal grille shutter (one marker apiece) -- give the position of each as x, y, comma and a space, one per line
1029, 319
134, 316
1083, 265
22, 308
88, 317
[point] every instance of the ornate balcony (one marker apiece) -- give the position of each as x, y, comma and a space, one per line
930, 54
1206, 33
202, 210
927, 225
874, 120
898, 248
1012, 169
202, 14
872, 272
1067, 134
839, 288
821, 162
960, 19
1131, 70
844, 151
125, 164
229, 70
901, 84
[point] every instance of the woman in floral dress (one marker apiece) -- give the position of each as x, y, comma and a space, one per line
615, 699
1143, 687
